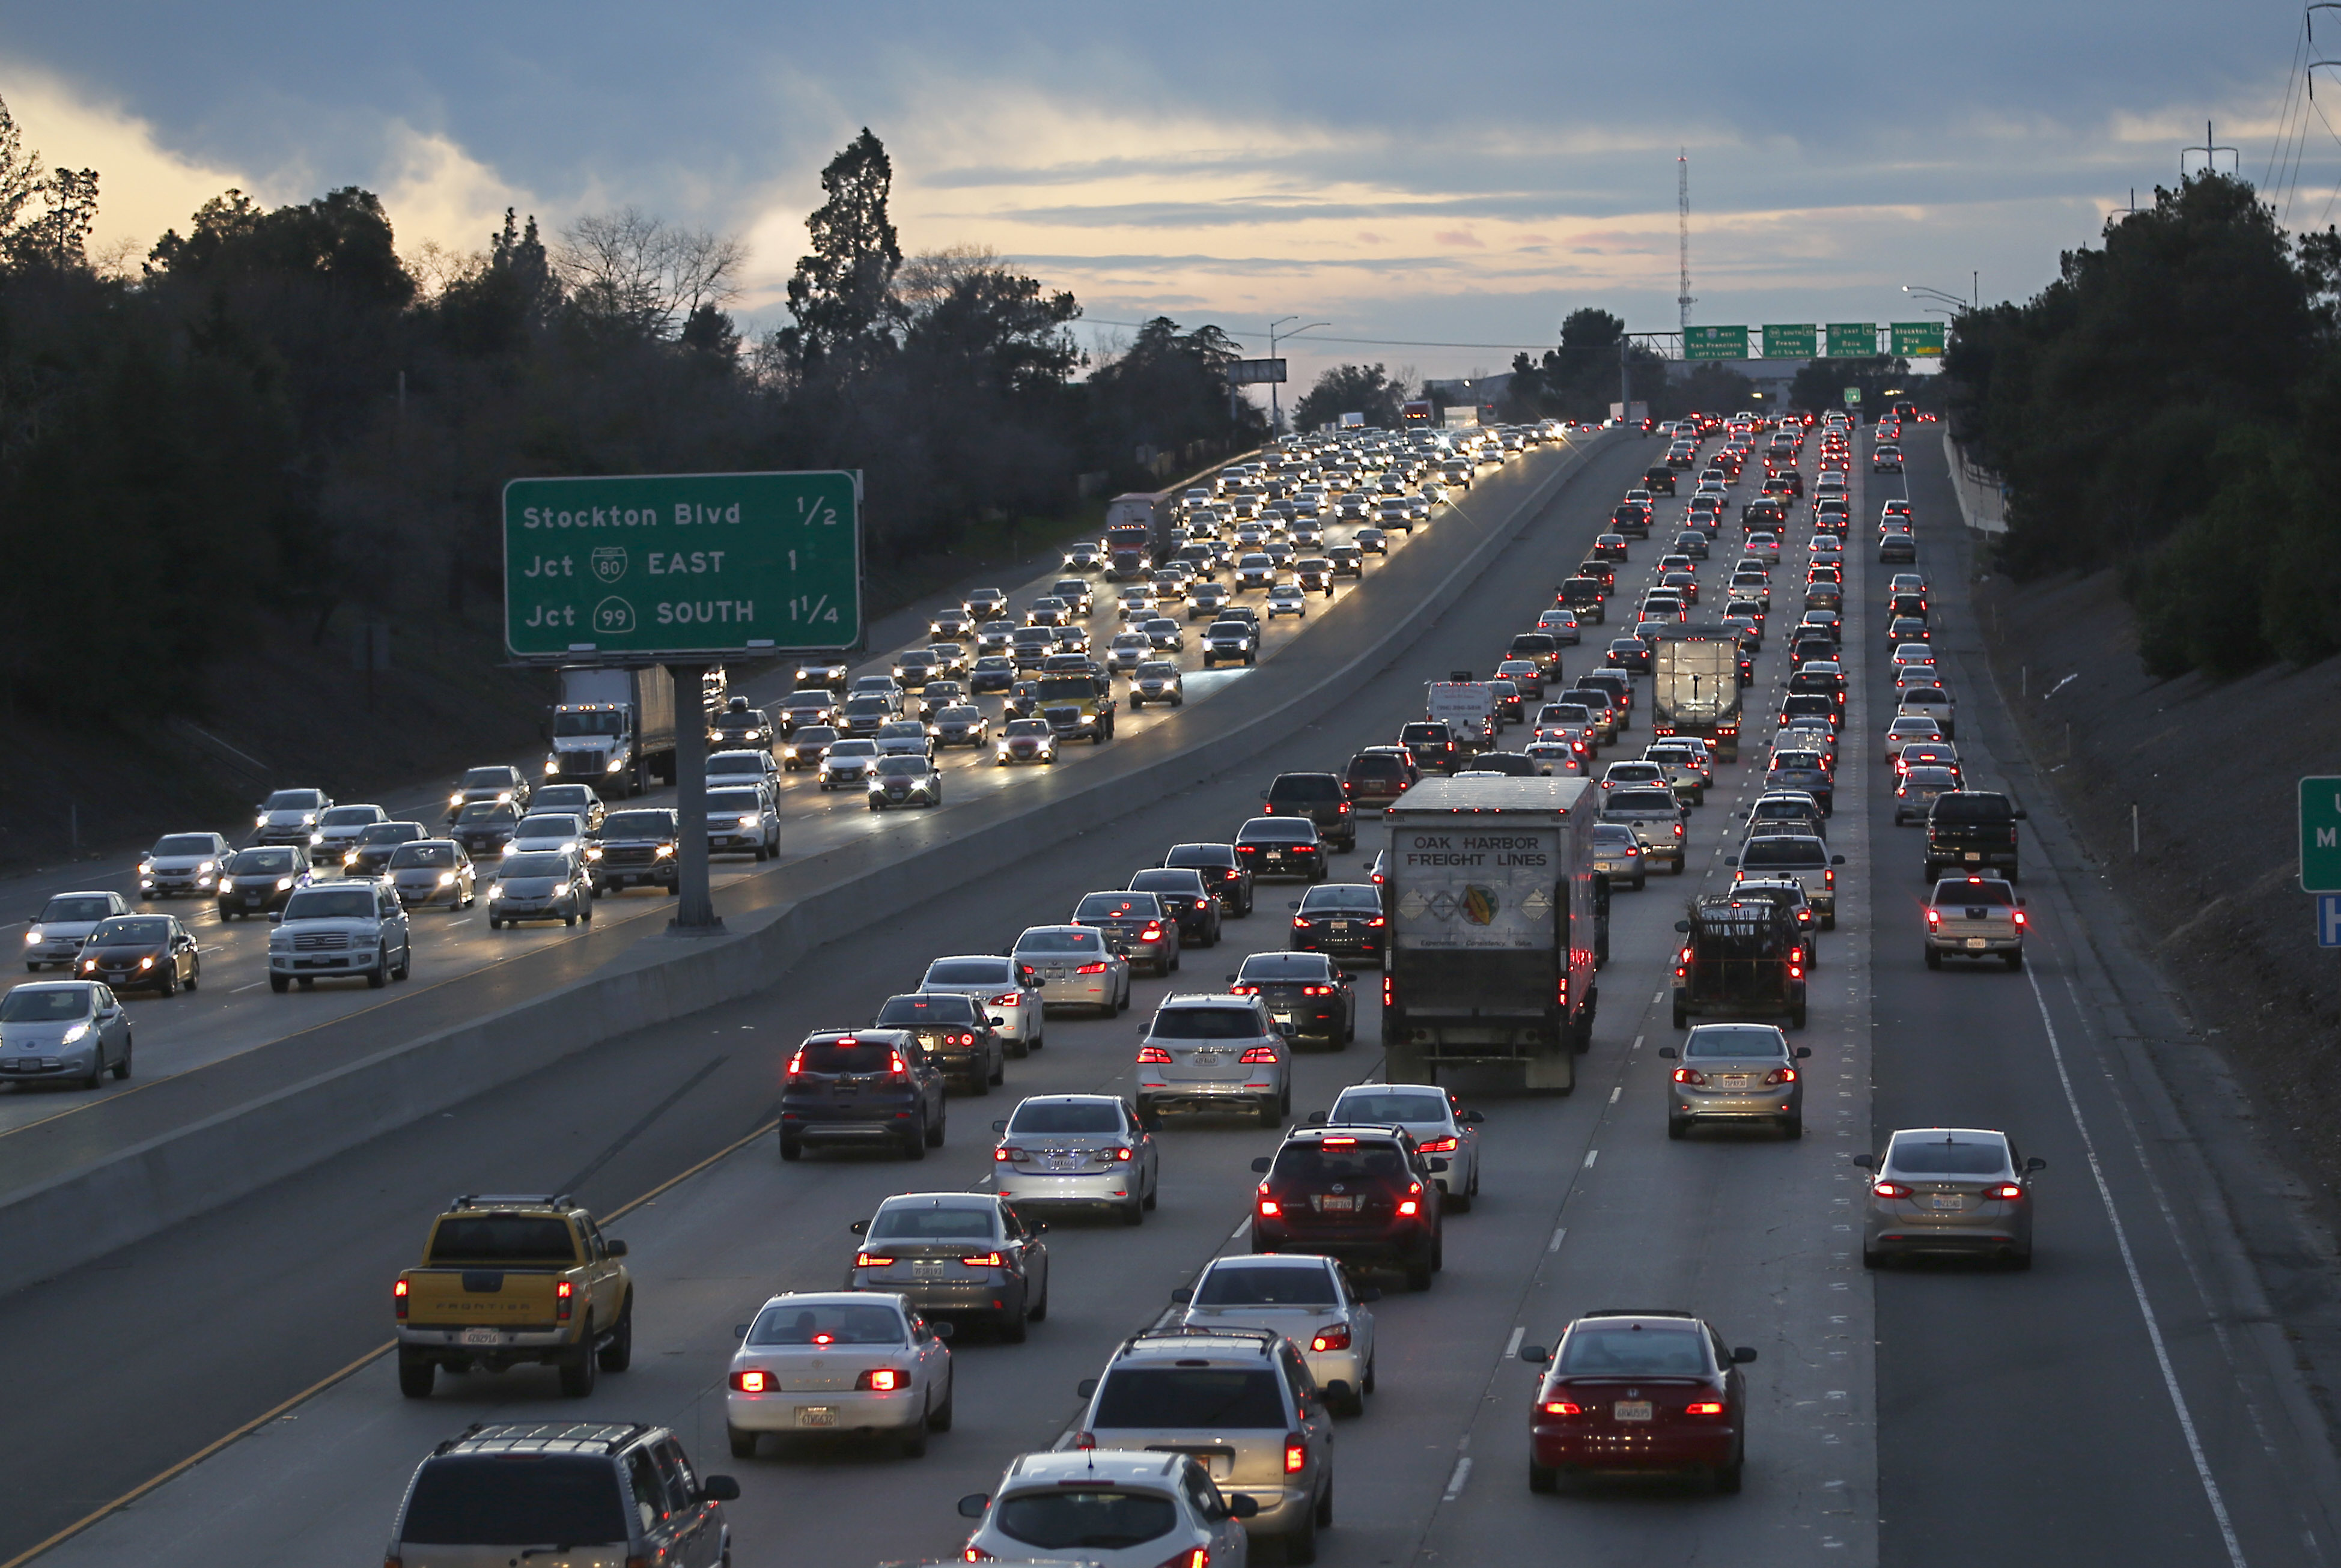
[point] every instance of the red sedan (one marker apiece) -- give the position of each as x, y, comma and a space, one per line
1636, 1392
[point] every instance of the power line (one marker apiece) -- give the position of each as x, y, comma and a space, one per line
1368, 343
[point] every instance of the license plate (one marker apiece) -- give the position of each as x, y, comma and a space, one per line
482, 1337
1631, 1410
1281, 1017
816, 1415
1330, 1205
1975, 855
926, 1267
1734, 1080
1278, 855
1976, 942
1950, 1200
253, 900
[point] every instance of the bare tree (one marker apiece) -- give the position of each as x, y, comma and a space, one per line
637, 273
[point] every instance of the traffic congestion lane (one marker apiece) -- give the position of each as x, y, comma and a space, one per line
614, 1121
2182, 1441
235, 1014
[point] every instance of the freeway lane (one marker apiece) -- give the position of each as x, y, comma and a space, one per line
227, 1353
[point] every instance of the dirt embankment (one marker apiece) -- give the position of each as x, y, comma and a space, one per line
2210, 770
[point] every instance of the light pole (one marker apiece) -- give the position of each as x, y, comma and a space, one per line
1275, 412
1920, 291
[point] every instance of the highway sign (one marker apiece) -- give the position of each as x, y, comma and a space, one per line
1715, 342
639, 568
1792, 343
2320, 835
1851, 339
1252, 372
1917, 340
1853, 397
2328, 919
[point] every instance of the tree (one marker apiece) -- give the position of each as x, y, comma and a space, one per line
1351, 389
1167, 389
842, 294
1578, 380
498, 302
980, 325
634, 275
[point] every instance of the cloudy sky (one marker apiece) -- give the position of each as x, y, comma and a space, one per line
1449, 180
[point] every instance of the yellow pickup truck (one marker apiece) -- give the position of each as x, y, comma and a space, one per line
507, 1281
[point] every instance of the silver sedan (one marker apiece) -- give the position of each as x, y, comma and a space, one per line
1958, 1190
1072, 967
1744, 1073
1305, 1299
1013, 1005
1429, 1116
1085, 1149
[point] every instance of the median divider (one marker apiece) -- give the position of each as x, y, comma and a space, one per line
84, 1186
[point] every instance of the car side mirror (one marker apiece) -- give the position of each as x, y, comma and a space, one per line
1837, 859
1535, 1355
275, 916
1471, 1118
1682, 925
1729, 860
1867, 1162
2035, 1163
739, 1331
1085, 1387
1804, 1051
616, 1248
1182, 1297
1741, 1354
1666, 1053
1317, 1118
974, 1504
2021, 813
1232, 980
942, 1330
1262, 1164
859, 1228
719, 1489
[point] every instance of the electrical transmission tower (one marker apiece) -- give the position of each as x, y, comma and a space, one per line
1683, 301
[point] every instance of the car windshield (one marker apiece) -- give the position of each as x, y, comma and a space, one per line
331, 904
913, 1011
41, 1005
1349, 896
185, 843
554, 827
1961, 891
535, 865
1639, 800
348, 816
930, 1222
638, 825
1257, 1285
1338, 1160
503, 1238
1028, 727
1929, 1154
828, 1323
902, 767
1784, 852
1736, 1040
1065, 1117
515, 1500
1167, 881
1213, 1398
1215, 857
969, 972
1118, 907
1633, 1350
607, 722
1059, 940
479, 811
486, 778
409, 856
390, 833
958, 713
72, 910
1088, 1518
748, 762
1385, 1106
845, 748
296, 801
1207, 1023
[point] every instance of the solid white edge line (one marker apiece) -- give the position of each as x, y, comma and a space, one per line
2137, 1286
1513, 1345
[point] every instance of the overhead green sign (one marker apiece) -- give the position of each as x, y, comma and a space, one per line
2320, 835
643, 566
1852, 340
1793, 342
1917, 340
1853, 397
1715, 342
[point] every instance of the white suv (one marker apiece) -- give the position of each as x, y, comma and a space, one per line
1215, 1053
340, 930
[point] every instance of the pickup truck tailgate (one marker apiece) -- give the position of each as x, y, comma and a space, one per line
491, 1298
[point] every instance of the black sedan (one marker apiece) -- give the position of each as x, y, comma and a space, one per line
1344, 920
1305, 990
1281, 847
1222, 870
141, 952
1630, 654
1182, 891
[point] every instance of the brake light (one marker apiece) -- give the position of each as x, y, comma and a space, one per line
897, 1068
1828, 878
1153, 1056
1678, 832
1269, 1208
1338, 1143
1704, 1407
1389, 991
1300, 922
1151, 934
1934, 917
565, 1293
1243, 990
1259, 1055
751, 1382
1796, 971
1010, 1000
1296, 1453
1407, 1208
1375, 922
1562, 1407
1194, 1557
1122, 1153
984, 1260
2006, 1192
1316, 991
1781, 1076
1440, 1145
1337, 1337
1097, 968
2019, 917
1689, 1075
884, 1380
1891, 1189
398, 1299
796, 1063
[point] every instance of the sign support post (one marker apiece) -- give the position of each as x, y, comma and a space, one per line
695, 913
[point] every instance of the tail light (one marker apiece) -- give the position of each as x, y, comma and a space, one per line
872, 1260
1439, 1145
1345, 808
565, 1295
1243, 990
1561, 1407
1796, 971
1026, 973
1259, 1055
1123, 1152
1679, 830
1097, 968
796, 1063
1153, 1056
1781, 1076
1296, 1453
1704, 1407
1268, 1207
398, 1299
2019, 917
1193, 1557
1337, 1337
1933, 917
1407, 1207
1689, 1075
1389, 991
1891, 1189
1300, 922
898, 1069
1316, 991
2006, 1192
753, 1382
1008, 1152
1151, 934
1376, 923
884, 1380
1011, 999
983, 1260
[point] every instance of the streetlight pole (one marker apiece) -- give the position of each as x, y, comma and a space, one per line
1920, 291
1275, 410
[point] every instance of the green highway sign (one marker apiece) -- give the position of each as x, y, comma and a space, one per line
639, 568
1793, 342
1715, 342
1917, 340
2320, 835
1853, 397
1851, 339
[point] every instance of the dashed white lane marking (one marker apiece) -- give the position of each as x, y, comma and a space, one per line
1590, 1155
1558, 1232
254, 986
1513, 1345
1455, 1482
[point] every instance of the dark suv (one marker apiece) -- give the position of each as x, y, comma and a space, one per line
1379, 774
1362, 1194
953, 1030
863, 1087
1318, 797
1971, 828
635, 848
1541, 647
1432, 745
1224, 872
1182, 892
1281, 847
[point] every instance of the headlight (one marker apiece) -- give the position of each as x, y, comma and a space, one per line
495, 890
316, 838
616, 762
350, 859
454, 800
552, 766
78, 1032
260, 820
32, 936
145, 963
205, 868
145, 868
663, 850
747, 821
283, 884
593, 852
446, 878
308, 819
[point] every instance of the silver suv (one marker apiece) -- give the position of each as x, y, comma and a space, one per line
606, 1491
1241, 1399
1215, 1053
340, 930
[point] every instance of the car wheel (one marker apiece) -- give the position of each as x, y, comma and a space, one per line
2016, 959
379, 976
743, 1443
1793, 1125
619, 1354
938, 1419
1934, 959
913, 1439
416, 1373
792, 1148
1012, 1329
170, 986
195, 975
122, 1068
578, 1373
1677, 1126
1541, 1477
1418, 1276
1728, 1476
1682, 1018
279, 984
1872, 1258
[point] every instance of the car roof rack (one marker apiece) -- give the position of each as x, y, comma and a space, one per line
1639, 1312
514, 1200
1263, 1340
